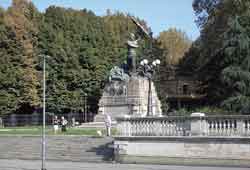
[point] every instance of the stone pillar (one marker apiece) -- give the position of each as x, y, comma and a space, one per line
198, 124
240, 127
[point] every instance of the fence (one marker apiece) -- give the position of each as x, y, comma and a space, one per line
184, 126
13, 120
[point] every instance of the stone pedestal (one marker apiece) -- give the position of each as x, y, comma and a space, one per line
138, 88
128, 98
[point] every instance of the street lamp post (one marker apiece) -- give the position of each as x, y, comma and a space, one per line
44, 113
148, 71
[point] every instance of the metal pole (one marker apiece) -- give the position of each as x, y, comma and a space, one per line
149, 113
44, 111
85, 109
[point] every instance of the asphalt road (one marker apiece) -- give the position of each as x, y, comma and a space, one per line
57, 165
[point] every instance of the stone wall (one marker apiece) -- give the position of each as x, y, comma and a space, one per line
222, 151
190, 140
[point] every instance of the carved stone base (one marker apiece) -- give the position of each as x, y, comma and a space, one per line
128, 98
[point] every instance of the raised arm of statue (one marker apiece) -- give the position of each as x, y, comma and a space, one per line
133, 42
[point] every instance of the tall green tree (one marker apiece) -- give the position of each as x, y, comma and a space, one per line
174, 43
20, 19
236, 73
83, 48
220, 56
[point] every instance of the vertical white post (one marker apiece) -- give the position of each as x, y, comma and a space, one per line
198, 124
44, 112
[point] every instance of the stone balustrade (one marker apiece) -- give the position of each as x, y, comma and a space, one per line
194, 125
228, 125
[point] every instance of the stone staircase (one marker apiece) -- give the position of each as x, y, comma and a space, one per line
59, 148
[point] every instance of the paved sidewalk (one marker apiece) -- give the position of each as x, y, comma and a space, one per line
55, 165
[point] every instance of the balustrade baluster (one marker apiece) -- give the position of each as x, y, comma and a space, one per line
235, 127
224, 133
220, 128
147, 128
158, 127
138, 132
181, 128
170, 128
215, 128
141, 128
136, 127
226, 128
167, 128
150, 128
210, 125
177, 128
132, 128
144, 128
231, 127
161, 128
153, 125
210, 128
173, 128
248, 127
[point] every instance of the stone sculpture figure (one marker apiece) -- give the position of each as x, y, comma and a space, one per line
117, 80
131, 60
118, 74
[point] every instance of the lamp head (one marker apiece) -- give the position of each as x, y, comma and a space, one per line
154, 63
158, 62
145, 61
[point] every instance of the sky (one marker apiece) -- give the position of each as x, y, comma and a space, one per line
160, 15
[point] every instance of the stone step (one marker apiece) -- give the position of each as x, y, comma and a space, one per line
73, 148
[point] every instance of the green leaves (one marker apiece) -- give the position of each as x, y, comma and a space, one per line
221, 56
239, 104
83, 48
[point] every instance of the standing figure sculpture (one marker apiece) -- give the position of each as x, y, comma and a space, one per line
131, 60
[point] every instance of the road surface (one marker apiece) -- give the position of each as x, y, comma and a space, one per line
65, 165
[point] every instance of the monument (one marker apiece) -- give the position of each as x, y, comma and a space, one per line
128, 92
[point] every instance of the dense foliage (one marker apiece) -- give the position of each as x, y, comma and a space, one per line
174, 43
221, 56
82, 47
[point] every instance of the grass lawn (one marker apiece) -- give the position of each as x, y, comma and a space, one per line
37, 130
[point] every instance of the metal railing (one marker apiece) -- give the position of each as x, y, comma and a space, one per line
14, 120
